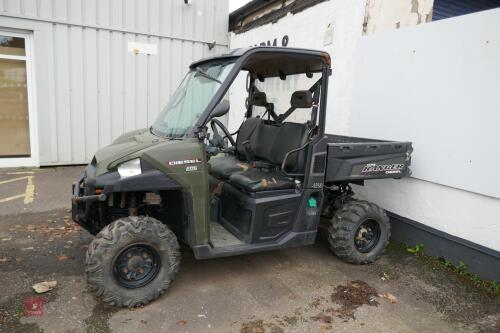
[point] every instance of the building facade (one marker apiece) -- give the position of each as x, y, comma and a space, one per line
411, 70
75, 74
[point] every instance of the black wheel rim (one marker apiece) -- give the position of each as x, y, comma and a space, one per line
136, 266
367, 236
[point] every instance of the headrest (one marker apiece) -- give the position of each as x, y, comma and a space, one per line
301, 99
258, 99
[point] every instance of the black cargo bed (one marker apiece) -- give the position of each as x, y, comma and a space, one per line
354, 159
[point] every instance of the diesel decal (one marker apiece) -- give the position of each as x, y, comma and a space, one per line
182, 162
386, 168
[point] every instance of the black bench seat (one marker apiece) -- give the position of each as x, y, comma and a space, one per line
261, 148
257, 180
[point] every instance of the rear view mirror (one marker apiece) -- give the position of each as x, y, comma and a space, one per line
221, 109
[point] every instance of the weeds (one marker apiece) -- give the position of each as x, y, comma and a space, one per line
418, 250
462, 270
459, 269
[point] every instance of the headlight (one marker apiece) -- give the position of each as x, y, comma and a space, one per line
130, 168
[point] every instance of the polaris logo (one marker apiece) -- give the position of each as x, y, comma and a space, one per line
182, 162
386, 168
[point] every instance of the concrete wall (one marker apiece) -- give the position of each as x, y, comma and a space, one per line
90, 88
434, 84
437, 85
387, 15
333, 26
336, 27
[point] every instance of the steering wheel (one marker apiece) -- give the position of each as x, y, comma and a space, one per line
218, 140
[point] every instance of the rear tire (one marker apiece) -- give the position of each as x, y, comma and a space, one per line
132, 261
359, 232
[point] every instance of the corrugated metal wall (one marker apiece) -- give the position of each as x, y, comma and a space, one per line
89, 88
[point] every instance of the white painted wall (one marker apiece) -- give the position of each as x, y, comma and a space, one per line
437, 85
310, 29
443, 97
334, 26
387, 15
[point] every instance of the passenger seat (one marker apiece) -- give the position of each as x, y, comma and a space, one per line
273, 143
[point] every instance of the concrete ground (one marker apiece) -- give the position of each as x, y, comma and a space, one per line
295, 290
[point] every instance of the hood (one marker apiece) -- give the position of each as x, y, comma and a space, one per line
127, 144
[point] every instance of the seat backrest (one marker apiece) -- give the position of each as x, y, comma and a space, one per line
273, 142
246, 133
290, 136
249, 126
293, 136
264, 138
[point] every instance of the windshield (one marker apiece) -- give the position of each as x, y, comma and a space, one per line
190, 99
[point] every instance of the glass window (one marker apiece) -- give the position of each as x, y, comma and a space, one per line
12, 45
279, 92
14, 124
190, 99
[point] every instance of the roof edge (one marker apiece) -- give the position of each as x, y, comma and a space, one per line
236, 53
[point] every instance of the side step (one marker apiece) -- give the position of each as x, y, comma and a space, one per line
221, 237
290, 239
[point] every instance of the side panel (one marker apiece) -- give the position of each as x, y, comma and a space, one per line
258, 218
308, 215
186, 164
371, 160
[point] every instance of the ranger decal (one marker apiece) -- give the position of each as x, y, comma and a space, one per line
386, 168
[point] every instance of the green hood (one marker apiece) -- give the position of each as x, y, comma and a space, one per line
127, 144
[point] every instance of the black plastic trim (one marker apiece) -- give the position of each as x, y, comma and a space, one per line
290, 239
479, 259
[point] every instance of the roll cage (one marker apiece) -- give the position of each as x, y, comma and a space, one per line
261, 62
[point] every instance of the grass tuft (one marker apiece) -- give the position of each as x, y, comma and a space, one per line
460, 269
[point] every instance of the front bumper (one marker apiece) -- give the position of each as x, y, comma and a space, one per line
90, 190
83, 207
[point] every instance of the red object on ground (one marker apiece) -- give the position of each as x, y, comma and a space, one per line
34, 306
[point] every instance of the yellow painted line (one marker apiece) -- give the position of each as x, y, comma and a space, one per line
30, 191
12, 198
28, 194
13, 180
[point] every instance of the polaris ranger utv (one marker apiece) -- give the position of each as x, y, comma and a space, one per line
188, 180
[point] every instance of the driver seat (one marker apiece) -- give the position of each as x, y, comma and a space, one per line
224, 166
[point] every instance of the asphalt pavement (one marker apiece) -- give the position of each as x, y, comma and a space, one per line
295, 290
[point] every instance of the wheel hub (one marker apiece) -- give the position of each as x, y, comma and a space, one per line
367, 236
136, 266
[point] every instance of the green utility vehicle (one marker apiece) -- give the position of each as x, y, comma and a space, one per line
188, 180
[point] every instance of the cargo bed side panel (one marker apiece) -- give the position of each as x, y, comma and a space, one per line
367, 160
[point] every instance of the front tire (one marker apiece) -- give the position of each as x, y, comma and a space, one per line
359, 232
132, 261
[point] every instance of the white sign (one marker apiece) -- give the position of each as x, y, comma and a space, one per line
142, 48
